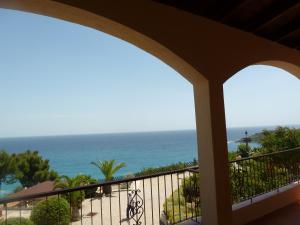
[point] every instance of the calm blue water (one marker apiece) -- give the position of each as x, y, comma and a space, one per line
70, 155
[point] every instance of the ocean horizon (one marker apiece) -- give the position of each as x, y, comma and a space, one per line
72, 154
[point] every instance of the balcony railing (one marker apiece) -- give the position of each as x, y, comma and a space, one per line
162, 198
257, 175
168, 197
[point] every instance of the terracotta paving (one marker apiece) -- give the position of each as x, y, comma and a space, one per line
289, 215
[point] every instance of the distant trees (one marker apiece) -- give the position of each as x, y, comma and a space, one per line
244, 150
280, 139
29, 168
170, 167
7, 168
257, 175
32, 169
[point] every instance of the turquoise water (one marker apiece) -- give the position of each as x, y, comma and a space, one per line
70, 155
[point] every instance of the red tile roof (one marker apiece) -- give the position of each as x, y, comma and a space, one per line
36, 189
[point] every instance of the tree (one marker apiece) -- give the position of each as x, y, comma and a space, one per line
7, 168
33, 169
108, 169
76, 197
244, 150
280, 139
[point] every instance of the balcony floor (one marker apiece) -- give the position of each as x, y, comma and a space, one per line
289, 215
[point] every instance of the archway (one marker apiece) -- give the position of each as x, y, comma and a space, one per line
103, 23
262, 97
62, 95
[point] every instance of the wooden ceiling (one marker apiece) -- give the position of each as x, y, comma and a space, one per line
276, 20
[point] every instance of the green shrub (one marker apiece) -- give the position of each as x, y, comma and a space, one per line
177, 209
174, 166
16, 221
91, 192
127, 184
53, 211
191, 189
87, 180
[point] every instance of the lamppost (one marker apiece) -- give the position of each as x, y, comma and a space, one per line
246, 139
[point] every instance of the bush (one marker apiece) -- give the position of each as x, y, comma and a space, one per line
174, 166
191, 189
176, 208
184, 203
127, 184
53, 211
16, 221
91, 192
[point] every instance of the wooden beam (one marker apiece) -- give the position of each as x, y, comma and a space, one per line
274, 20
237, 8
295, 29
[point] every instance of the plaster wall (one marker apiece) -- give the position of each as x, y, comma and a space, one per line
261, 208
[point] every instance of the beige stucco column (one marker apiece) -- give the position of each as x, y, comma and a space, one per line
212, 152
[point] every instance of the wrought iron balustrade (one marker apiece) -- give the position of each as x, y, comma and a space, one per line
263, 173
161, 198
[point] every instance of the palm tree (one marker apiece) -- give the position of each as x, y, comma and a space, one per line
108, 169
76, 197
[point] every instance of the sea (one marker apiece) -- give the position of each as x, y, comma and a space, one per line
72, 154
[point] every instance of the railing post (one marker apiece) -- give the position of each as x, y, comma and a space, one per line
213, 157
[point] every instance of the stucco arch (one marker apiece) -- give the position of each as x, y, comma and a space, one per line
287, 66
290, 67
190, 44
72, 14
166, 36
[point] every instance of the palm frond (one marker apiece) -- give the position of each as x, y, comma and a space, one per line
118, 167
108, 168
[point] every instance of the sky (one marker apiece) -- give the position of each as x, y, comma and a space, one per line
58, 78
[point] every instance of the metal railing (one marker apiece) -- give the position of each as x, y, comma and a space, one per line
257, 175
162, 198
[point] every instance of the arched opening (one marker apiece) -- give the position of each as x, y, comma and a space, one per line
263, 134
262, 96
50, 92
107, 21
